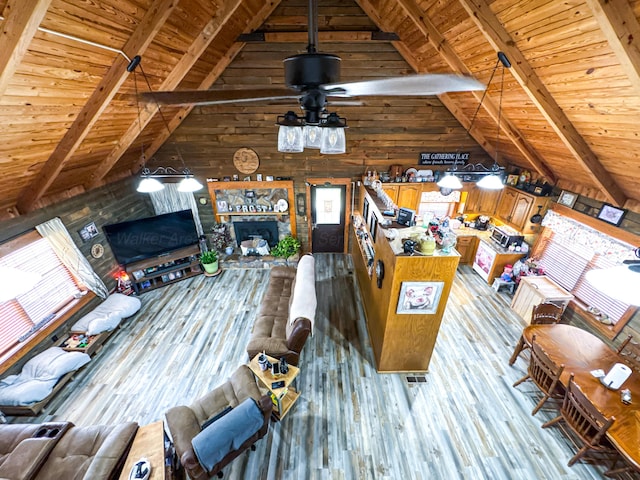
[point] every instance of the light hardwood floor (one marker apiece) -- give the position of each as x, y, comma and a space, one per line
350, 422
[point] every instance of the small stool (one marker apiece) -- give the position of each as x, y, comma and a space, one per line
498, 283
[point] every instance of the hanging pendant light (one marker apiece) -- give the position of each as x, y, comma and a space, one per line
290, 134
493, 181
148, 185
149, 180
189, 184
333, 137
450, 181
312, 136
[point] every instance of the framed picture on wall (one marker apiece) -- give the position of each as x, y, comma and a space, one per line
419, 297
610, 214
568, 199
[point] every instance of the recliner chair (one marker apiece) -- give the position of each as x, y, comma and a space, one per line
186, 422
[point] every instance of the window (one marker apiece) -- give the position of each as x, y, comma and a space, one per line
35, 305
566, 262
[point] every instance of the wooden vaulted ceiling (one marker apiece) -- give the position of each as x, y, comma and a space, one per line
69, 120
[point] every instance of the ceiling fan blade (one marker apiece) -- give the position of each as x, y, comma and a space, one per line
414, 85
216, 97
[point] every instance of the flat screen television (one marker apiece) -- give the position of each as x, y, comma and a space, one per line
137, 240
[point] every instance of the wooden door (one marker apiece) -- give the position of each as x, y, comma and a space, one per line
330, 208
409, 196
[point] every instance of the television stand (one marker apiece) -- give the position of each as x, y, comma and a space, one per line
164, 269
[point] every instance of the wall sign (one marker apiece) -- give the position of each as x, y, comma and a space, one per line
246, 160
443, 158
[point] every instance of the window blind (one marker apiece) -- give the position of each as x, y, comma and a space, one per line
567, 262
35, 308
563, 262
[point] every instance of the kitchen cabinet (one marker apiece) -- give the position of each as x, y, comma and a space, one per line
409, 196
466, 247
392, 191
516, 209
482, 201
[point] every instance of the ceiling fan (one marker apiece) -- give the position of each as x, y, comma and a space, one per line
312, 77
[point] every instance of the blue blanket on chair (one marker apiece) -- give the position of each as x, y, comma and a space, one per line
227, 433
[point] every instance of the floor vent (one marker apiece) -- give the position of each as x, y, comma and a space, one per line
416, 379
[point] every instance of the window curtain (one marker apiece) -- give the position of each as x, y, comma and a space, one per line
72, 258
169, 199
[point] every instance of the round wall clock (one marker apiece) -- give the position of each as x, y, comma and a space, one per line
97, 250
246, 160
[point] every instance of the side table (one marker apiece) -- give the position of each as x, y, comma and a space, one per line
282, 398
148, 443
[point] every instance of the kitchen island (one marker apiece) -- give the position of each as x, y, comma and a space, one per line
404, 294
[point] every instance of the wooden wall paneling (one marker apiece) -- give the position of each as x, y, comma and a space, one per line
105, 91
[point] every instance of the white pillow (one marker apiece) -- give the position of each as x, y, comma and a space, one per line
53, 363
107, 316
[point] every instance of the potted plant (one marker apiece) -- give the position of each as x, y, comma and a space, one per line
209, 261
220, 237
286, 247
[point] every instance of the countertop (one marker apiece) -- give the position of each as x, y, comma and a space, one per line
485, 237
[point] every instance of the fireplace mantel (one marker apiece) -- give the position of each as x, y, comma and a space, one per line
220, 192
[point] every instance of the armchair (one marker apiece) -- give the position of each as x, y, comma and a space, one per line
186, 422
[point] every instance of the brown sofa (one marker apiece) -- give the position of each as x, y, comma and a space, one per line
287, 312
61, 450
186, 422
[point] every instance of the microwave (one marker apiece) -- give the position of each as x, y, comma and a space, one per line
505, 237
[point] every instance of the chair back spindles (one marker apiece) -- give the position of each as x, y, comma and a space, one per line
546, 313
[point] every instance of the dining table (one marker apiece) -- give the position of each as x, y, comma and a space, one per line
581, 352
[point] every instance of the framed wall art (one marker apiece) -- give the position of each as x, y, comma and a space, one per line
568, 199
610, 214
419, 297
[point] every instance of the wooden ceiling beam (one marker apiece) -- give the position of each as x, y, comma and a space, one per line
22, 19
143, 35
175, 121
177, 118
440, 43
500, 40
622, 30
177, 74
333, 36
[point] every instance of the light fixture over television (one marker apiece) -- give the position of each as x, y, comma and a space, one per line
150, 180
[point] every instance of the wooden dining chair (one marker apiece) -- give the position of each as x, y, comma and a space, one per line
629, 350
543, 313
586, 422
545, 374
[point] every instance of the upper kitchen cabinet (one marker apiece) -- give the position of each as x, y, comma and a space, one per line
516, 209
409, 196
481, 200
392, 191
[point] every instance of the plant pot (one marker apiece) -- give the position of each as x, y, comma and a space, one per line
210, 267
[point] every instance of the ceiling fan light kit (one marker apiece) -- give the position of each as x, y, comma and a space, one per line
312, 78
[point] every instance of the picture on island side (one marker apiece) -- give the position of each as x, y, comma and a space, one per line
419, 297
